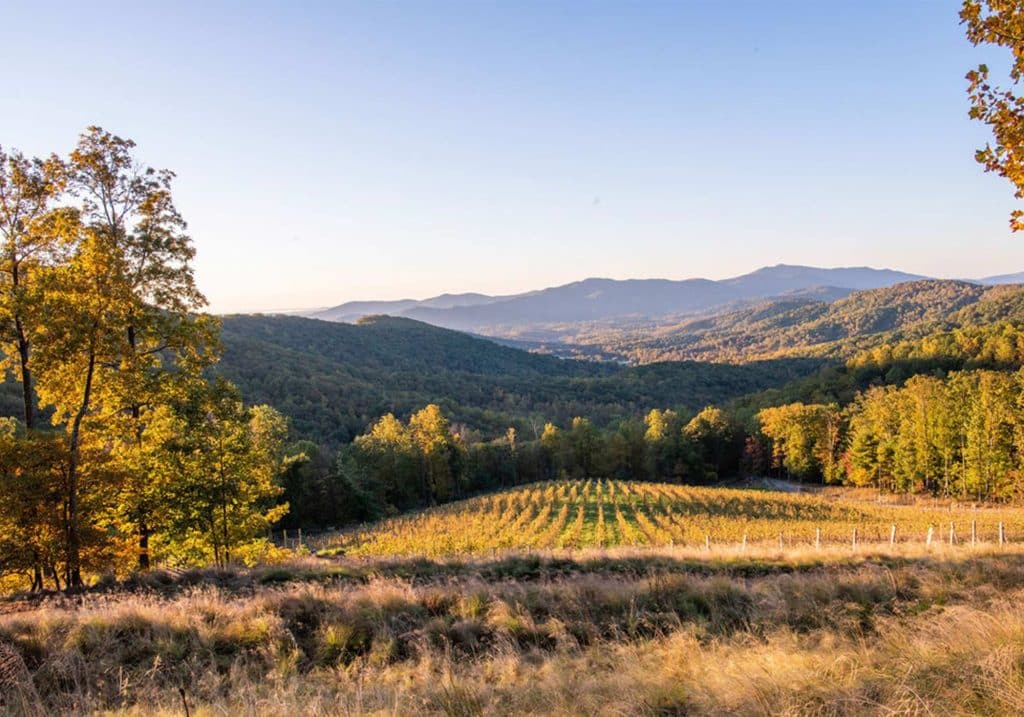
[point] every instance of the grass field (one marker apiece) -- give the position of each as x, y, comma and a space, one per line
920, 632
577, 515
575, 598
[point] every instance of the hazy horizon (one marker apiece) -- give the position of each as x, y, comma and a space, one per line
355, 151
457, 290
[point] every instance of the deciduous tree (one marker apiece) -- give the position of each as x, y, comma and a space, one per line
1000, 23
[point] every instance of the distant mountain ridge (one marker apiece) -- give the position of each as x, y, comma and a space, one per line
1017, 278
352, 311
609, 299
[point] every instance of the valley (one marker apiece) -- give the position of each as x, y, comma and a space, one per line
668, 359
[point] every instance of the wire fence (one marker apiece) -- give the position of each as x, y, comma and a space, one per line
866, 536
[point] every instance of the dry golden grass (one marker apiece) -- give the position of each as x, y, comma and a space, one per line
620, 632
596, 597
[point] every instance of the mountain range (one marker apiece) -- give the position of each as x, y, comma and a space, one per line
334, 378
629, 300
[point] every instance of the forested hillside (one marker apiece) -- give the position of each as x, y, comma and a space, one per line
808, 327
996, 346
333, 379
930, 406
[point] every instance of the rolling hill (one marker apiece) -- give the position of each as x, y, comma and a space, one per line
807, 327
334, 379
1017, 278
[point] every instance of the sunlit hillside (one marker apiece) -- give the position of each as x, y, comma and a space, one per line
607, 513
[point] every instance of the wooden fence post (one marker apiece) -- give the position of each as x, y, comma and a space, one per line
854, 538
300, 537
743, 547
781, 544
817, 538
928, 540
892, 535
285, 533
1002, 533
952, 533
974, 532
707, 541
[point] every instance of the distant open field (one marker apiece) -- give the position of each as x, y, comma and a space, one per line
574, 515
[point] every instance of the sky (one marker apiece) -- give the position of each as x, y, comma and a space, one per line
336, 151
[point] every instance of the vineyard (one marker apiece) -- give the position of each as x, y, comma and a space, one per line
606, 513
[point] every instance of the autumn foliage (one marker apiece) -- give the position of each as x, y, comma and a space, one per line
123, 445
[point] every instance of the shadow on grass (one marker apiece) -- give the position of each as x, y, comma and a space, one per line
540, 567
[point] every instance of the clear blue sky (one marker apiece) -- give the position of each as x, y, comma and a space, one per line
337, 151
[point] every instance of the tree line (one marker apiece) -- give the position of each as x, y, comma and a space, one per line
123, 444
959, 436
399, 465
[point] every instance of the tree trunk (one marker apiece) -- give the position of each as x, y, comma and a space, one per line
26, 377
143, 526
227, 551
144, 533
23, 352
74, 566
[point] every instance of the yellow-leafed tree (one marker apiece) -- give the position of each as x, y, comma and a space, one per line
1000, 23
